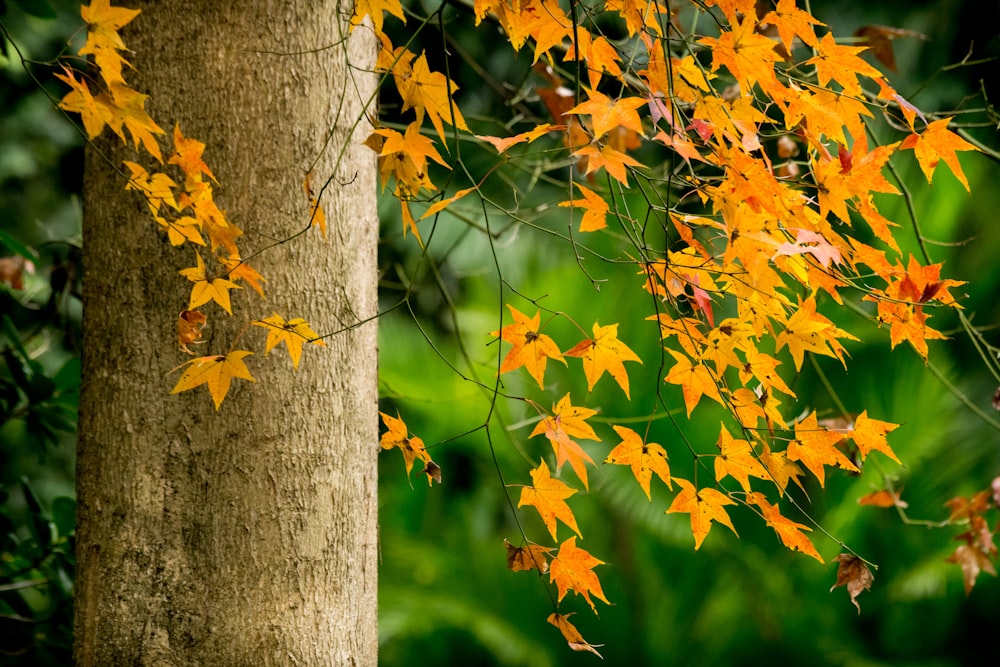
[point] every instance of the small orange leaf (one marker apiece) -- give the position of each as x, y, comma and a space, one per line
572, 570
399, 436
189, 326
595, 209
566, 422
548, 496
704, 505
530, 348
869, 434
644, 458
604, 353
938, 143
293, 333
883, 498
206, 290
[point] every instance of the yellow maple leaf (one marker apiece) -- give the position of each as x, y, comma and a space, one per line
814, 446
216, 372
548, 496
572, 569
789, 532
736, 459
645, 458
808, 331
869, 434
566, 422
530, 348
293, 333
398, 435
938, 143
206, 290
103, 22
376, 10
604, 353
704, 505
595, 209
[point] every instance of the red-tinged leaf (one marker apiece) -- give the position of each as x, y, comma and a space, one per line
644, 458
398, 435
972, 560
595, 209
789, 532
566, 422
528, 557
531, 349
853, 573
938, 143
548, 496
869, 434
883, 498
572, 570
604, 353
216, 372
206, 290
293, 333
704, 505
502, 144
572, 635
879, 39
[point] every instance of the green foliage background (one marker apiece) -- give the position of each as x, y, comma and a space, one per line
445, 594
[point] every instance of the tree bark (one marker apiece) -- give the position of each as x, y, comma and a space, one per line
245, 536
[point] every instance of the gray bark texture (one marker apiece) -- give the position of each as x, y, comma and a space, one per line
245, 536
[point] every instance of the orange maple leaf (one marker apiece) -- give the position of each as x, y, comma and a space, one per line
595, 209
129, 110
938, 143
217, 372
792, 22
604, 353
704, 505
644, 458
530, 348
317, 216
187, 156
502, 144
749, 57
814, 446
869, 434
789, 532
189, 326
736, 459
568, 420
548, 496
399, 436
695, 380
572, 570
95, 110
158, 189
608, 158
430, 93
841, 64
206, 290
293, 333
606, 113
808, 331
572, 635
376, 10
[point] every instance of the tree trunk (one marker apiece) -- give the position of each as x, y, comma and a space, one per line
245, 536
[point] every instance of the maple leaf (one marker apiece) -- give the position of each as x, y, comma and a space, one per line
972, 560
293, 333
430, 93
376, 10
780, 469
789, 532
206, 290
103, 22
644, 458
187, 156
95, 111
530, 348
398, 435
608, 158
572, 635
217, 372
812, 243
704, 505
695, 380
604, 353
938, 143
572, 570
129, 110
749, 57
839, 63
606, 113
502, 144
528, 557
736, 459
568, 420
548, 496
853, 573
792, 22
239, 269
808, 331
814, 446
158, 189
595, 209
189, 326
883, 498
437, 207
869, 434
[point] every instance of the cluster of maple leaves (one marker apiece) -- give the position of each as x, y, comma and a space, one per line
772, 171
775, 152
186, 212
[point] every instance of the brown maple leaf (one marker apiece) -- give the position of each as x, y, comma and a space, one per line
853, 573
528, 557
